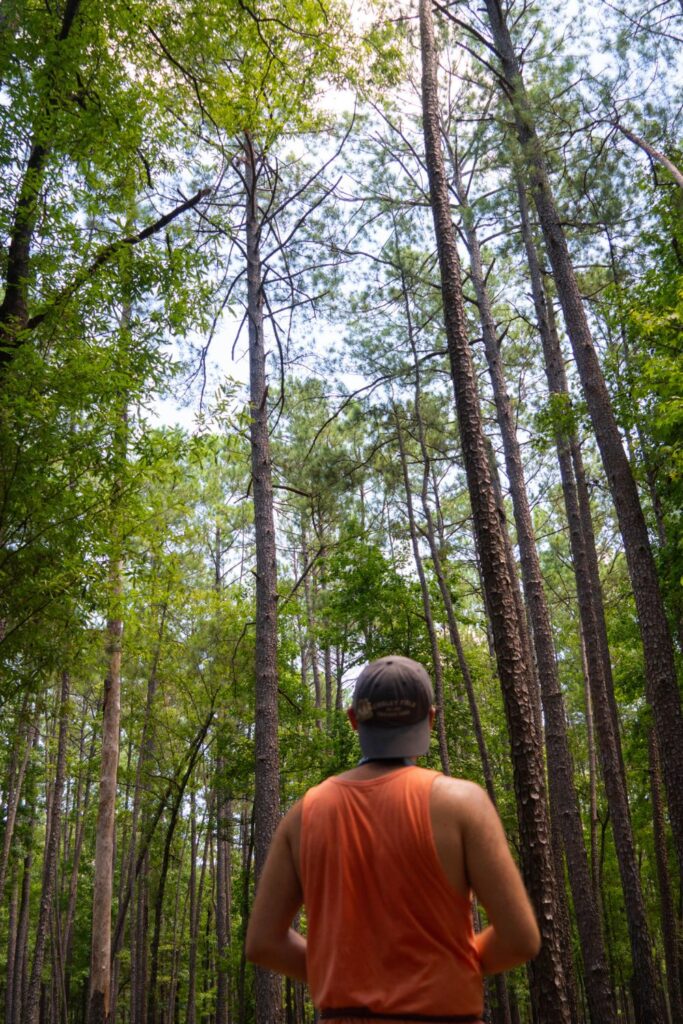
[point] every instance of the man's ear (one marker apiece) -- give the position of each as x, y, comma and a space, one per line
432, 716
351, 715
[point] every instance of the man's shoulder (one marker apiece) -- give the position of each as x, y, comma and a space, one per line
460, 796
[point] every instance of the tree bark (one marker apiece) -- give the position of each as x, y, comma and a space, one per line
547, 976
100, 969
426, 604
99, 1002
267, 771
660, 671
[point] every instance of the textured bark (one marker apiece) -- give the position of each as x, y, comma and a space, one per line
49, 859
547, 976
660, 671
426, 603
666, 902
267, 772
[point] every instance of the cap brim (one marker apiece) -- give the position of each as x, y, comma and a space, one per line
397, 741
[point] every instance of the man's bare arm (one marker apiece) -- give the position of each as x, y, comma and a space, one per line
512, 936
271, 941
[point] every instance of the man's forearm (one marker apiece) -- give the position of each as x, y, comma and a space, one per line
286, 956
497, 954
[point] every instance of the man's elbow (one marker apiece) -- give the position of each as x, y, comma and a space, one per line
531, 945
255, 948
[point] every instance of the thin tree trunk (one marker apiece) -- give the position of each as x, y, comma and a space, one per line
267, 773
20, 985
426, 604
12, 939
592, 779
100, 997
547, 976
49, 858
100, 969
660, 671
312, 647
154, 1001
80, 808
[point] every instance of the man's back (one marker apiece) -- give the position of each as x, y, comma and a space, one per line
387, 929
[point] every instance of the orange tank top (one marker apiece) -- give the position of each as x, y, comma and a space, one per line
386, 929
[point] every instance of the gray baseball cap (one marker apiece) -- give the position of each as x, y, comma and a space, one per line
392, 700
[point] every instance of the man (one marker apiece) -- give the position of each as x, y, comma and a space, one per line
384, 858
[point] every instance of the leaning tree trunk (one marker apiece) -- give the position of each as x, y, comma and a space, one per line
660, 670
565, 808
268, 987
548, 986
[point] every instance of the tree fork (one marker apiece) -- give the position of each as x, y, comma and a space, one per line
267, 770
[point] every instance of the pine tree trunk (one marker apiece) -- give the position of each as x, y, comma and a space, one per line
661, 682
547, 977
267, 772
